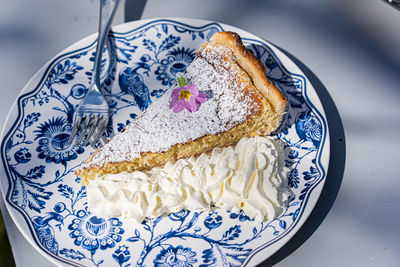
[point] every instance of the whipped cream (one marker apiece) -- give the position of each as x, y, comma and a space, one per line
250, 176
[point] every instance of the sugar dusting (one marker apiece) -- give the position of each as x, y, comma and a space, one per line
158, 128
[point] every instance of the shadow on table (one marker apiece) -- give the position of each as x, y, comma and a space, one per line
134, 9
6, 257
334, 175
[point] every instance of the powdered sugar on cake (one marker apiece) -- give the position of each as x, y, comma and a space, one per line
158, 128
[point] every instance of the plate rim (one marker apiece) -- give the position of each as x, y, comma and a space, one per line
254, 257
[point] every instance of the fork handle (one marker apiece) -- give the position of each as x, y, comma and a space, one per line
107, 12
394, 3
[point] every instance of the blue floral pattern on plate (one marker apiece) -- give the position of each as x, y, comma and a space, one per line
141, 62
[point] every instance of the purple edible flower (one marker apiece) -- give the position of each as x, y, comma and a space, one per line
187, 97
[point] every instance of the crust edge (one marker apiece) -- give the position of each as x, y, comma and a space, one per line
254, 68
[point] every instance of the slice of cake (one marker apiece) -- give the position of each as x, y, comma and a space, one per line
226, 96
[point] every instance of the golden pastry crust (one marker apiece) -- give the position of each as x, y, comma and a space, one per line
254, 68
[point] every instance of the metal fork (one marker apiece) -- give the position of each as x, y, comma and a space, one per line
394, 3
92, 115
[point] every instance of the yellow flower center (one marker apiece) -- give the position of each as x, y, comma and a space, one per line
185, 94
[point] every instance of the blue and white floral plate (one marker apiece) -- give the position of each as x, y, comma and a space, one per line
48, 203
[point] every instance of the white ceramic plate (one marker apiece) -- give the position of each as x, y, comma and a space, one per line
48, 203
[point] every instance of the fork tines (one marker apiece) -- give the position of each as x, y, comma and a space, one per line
89, 127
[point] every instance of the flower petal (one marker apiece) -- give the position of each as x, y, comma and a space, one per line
186, 105
175, 92
174, 98
193, 89
193, 105
178, 107
201, 98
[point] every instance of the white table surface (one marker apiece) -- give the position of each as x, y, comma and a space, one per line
351, 46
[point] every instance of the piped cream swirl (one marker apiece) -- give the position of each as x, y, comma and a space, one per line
250, 176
